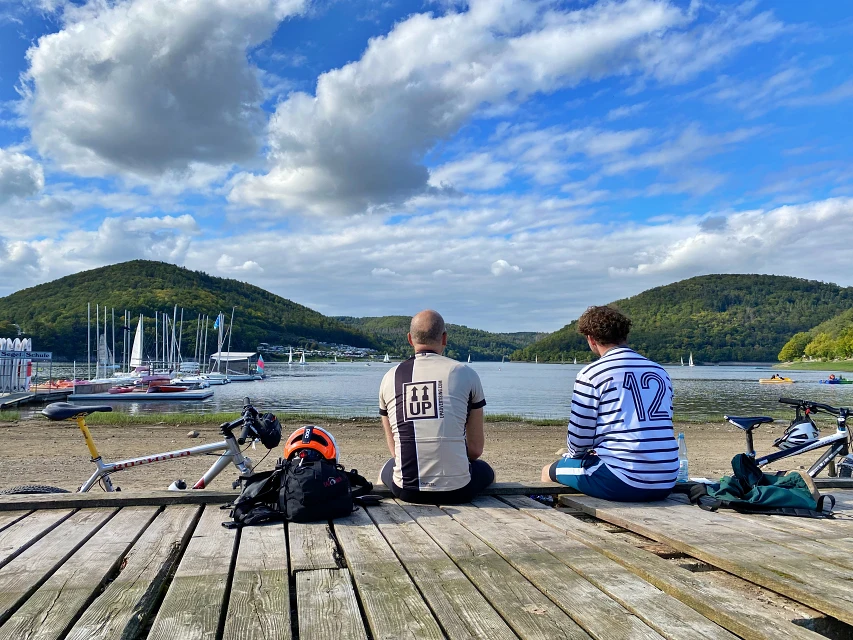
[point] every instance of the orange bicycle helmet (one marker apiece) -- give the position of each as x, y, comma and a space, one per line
308, 439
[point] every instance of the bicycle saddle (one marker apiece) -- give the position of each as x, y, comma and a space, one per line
65, 410
748, 424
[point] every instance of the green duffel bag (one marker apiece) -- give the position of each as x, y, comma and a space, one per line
750, 490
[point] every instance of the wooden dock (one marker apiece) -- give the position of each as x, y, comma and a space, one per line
504, 566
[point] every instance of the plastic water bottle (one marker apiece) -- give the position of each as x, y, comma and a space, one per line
683, 475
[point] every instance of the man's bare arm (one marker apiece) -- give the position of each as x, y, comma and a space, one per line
475, 436
389, 435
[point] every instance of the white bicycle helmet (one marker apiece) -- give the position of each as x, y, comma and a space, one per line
802, 431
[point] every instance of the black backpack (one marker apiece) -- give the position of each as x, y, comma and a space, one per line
319, 490
298, 492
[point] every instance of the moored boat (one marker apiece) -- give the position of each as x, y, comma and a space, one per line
777, 380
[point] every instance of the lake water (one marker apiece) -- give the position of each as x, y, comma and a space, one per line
531, 390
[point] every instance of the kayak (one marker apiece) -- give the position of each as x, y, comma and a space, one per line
836, 381
775, 381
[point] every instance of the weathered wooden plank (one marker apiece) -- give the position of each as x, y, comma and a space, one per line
49, 612
312, 546
742, 616
127, 605
599, 594
193, 604
8, 518
524, 608
461, 610
23, 533
259, 604
23, 575
802, 577
663, 613
113, 499
392, 604
327, 607
163, 498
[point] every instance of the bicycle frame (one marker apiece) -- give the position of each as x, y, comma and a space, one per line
838, 443
232, 455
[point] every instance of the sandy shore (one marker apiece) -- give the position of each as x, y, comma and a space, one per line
39, 452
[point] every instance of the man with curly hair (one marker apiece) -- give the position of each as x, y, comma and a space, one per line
621, 444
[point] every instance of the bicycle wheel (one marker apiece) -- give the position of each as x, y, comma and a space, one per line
32, 488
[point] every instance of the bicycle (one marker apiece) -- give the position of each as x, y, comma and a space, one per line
264, 428
838, 443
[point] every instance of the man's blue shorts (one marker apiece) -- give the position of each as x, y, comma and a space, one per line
591, 476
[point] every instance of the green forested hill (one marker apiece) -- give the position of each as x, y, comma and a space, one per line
720, 318
461, 340
828, 340
54, 314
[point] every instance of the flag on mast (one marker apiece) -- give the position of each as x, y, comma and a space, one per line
216, 322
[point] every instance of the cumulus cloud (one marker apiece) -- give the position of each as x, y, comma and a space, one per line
20, 176
502, 267
147, 87
232, 265
359, 141
382, 272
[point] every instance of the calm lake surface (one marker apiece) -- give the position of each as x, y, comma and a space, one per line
523, 389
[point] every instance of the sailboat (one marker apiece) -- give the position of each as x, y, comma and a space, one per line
290, 356
136, 351
302, 359
536, 361
682, 361
690, 361
576, 360
469, 358
387, 359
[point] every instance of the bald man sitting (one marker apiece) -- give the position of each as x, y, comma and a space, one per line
432, 412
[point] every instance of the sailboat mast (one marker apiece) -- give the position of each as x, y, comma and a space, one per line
113, 311
97, 339
89, 340
204, 357
106, 351
180, 334
230, 327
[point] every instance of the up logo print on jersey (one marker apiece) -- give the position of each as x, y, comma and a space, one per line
419, 401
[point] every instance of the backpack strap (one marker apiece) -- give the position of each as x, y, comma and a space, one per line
822, 507
359, 485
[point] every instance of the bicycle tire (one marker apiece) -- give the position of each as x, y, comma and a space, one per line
32, 488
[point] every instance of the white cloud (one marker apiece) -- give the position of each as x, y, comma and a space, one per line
20, 176
478, 171
358, 142
149, 87
626, 111
502, 267
228, 264
382, 272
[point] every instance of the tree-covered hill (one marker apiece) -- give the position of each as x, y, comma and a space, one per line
719, 318
827, 341
54, 314
461, 340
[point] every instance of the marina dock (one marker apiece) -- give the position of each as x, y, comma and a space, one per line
505, 566
197, 394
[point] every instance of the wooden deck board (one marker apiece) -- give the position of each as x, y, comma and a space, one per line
744, 617
525, 609
312, 546
193, 604
259, 604
9, 518
127, 605
327, 606
50, 611
25, 532
800, 576
461, 610
493, 569
23, 575
666, 615
392, 604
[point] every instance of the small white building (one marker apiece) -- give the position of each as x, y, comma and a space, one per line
234, 362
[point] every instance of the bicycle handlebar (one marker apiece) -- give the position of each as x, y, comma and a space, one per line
247, 420
813, 406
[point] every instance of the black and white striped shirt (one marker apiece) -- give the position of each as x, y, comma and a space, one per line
622, 409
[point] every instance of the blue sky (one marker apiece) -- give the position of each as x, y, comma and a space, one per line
507, 162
